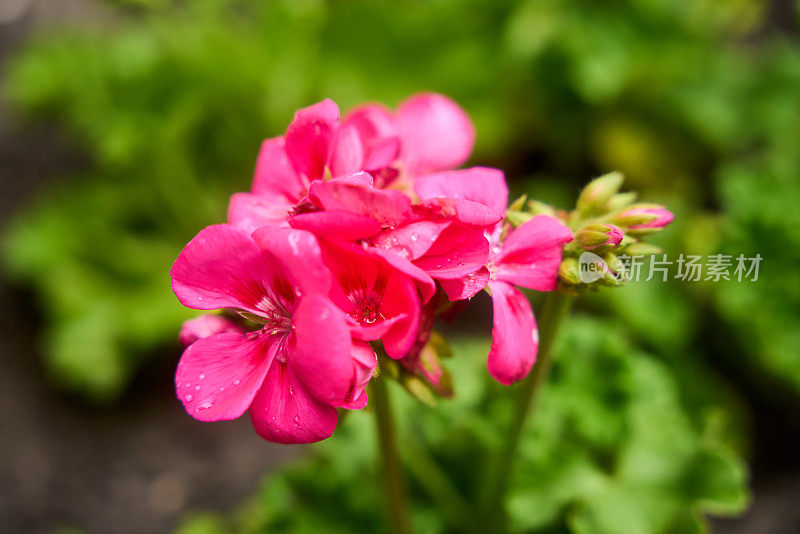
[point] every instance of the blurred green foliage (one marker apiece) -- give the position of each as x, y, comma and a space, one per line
612, 444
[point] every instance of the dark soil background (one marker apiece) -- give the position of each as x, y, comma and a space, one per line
138, 466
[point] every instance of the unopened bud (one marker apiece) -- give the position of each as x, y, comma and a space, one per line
569, 271
536, 207
595, 196
595, 236
518, 218
620, 201
644, 217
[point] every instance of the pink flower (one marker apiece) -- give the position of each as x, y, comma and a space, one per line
381, 300
315, 144
429, 132
299, 366
528, 257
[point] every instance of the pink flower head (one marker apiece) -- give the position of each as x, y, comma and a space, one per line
299, 365
529, 257
427, 133
659, 217
316, 144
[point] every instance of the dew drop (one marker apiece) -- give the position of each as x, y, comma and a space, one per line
222, 388
202, 376
414, 236
205, 406
237, 382
197, 388
189, 397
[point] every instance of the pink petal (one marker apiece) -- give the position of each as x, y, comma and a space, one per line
364, 362
531, 253
465, 211
400, 300
478, 184
222, 267
310, 139
274, 176
299, 254
374, 123
284, 412
348, 155
373, 332
383, 154
467, 286
250, 211
423, 281
459, 251
376, 128
388, 207
218, 376
321, 358
205, 326
515, 338
413, 239
355, 178
435, 133
336, 224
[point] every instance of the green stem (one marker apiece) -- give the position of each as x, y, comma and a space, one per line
435, 482
493, 513
394, 481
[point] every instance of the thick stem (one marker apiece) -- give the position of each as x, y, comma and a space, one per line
394, 481
493, 513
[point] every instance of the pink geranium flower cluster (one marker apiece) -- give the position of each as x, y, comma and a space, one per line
353, 231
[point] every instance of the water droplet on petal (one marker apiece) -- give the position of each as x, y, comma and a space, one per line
202, 376
414, 236
236, 382
197, 388
189, 397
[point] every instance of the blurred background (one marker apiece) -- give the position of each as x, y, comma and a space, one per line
125, 126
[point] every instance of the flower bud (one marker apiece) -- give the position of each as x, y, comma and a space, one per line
595, 196
620, 201
644, 217
594, 236
569, 271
